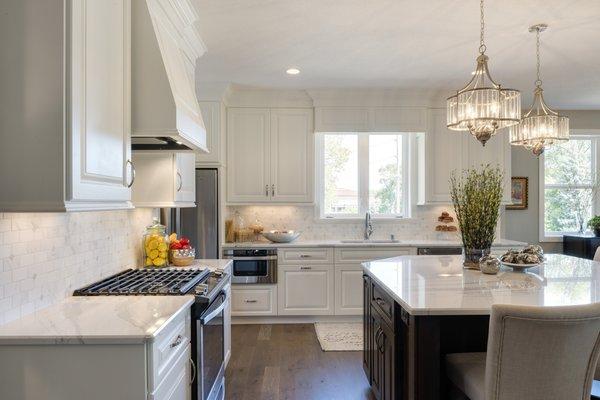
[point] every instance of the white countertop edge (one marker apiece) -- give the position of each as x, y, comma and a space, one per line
425, 312
184, 307
338, 243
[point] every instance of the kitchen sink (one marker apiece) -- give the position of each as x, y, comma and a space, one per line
370, 241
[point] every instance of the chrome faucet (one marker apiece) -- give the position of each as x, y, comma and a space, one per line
368, 226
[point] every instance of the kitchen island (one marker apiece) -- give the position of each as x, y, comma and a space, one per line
418, 309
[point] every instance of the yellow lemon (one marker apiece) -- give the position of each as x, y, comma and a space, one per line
172, 237
153, 244
162, 247
158, 261
162, 254
153, 254
148, 261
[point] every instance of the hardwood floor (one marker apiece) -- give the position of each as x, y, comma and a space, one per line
277, 362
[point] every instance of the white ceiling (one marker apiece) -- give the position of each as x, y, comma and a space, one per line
402, 44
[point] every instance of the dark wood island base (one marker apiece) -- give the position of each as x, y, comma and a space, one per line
403, 355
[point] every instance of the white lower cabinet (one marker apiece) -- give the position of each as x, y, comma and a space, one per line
306, 289
348, 289
253, 300
176, 385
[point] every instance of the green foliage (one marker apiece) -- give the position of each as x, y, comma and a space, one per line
594, 222
568, 207
336, 157
387, 197
476, 195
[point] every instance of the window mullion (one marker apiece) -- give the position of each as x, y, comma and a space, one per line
363, 173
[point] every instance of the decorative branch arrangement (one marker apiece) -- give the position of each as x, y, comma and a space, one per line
476, 195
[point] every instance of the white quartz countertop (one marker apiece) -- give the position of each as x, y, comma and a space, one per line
102, 319
438, 285
97, 320
374, 243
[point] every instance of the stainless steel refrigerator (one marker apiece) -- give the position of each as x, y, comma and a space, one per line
201, 223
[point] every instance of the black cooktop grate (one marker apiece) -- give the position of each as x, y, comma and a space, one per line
166, 281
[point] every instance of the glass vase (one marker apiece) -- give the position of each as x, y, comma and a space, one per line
472, 257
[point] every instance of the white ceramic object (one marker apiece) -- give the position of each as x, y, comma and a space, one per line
281, 236
520, 267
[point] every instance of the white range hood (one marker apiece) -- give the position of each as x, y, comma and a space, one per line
165, 46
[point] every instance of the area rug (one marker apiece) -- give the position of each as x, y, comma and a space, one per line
340, 336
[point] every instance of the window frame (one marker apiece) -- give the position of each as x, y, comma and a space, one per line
576, 134
362, 176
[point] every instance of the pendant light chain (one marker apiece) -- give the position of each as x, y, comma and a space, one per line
482, 47
538, 82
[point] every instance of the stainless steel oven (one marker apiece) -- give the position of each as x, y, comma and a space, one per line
210, 349
253, 265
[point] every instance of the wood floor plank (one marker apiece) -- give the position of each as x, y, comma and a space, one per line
285, 362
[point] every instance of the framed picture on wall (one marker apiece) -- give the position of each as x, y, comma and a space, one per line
518, 193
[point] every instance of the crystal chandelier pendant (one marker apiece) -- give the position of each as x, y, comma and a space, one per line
483, 107
541, 126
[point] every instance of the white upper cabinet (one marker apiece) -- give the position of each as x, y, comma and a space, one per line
248, 155
66, 102
214, 115
370, 119
291, 155
164, 179
442, 151
269, 155
165, 48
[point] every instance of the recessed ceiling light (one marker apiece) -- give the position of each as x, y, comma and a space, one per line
292, 71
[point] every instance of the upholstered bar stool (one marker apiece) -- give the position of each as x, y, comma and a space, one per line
533, 353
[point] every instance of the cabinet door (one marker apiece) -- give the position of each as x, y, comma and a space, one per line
305, 290
213, 113
291, 155
367, 329
387, 354
348, 289
99, 86
185, 177
443, 154
495, 152
248, 155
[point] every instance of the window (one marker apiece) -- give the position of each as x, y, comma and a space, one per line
567, 187
360, 172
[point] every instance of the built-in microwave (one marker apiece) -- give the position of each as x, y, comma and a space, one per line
253, 265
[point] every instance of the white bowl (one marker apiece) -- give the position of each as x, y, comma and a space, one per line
281, 236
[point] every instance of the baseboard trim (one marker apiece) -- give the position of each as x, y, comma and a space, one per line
295, 320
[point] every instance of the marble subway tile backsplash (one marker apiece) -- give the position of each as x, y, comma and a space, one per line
303, 218
45, 256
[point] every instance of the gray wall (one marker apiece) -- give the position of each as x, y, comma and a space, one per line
523, 224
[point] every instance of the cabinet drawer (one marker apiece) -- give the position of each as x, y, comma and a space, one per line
381, 301
176, 385
252, 300
306, 256
363, 254
166, 348
305, 290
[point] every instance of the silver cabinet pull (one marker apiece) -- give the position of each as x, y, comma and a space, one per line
304, 255
273, 190
177, 341
305, 267
250, 301
267, 190
130, 184
193, 377
180, 181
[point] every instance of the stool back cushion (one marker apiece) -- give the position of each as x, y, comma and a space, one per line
542, 353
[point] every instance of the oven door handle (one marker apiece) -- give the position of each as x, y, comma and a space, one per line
207, 318
258, 258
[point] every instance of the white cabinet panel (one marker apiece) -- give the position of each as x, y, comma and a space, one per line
100, 101
248, 300
248, 155
176, 385
313, 255
213, 115
346, 119
185, 177
291, 155
164, 179
306, 290
348, 289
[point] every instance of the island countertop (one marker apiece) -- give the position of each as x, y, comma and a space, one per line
438, 285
